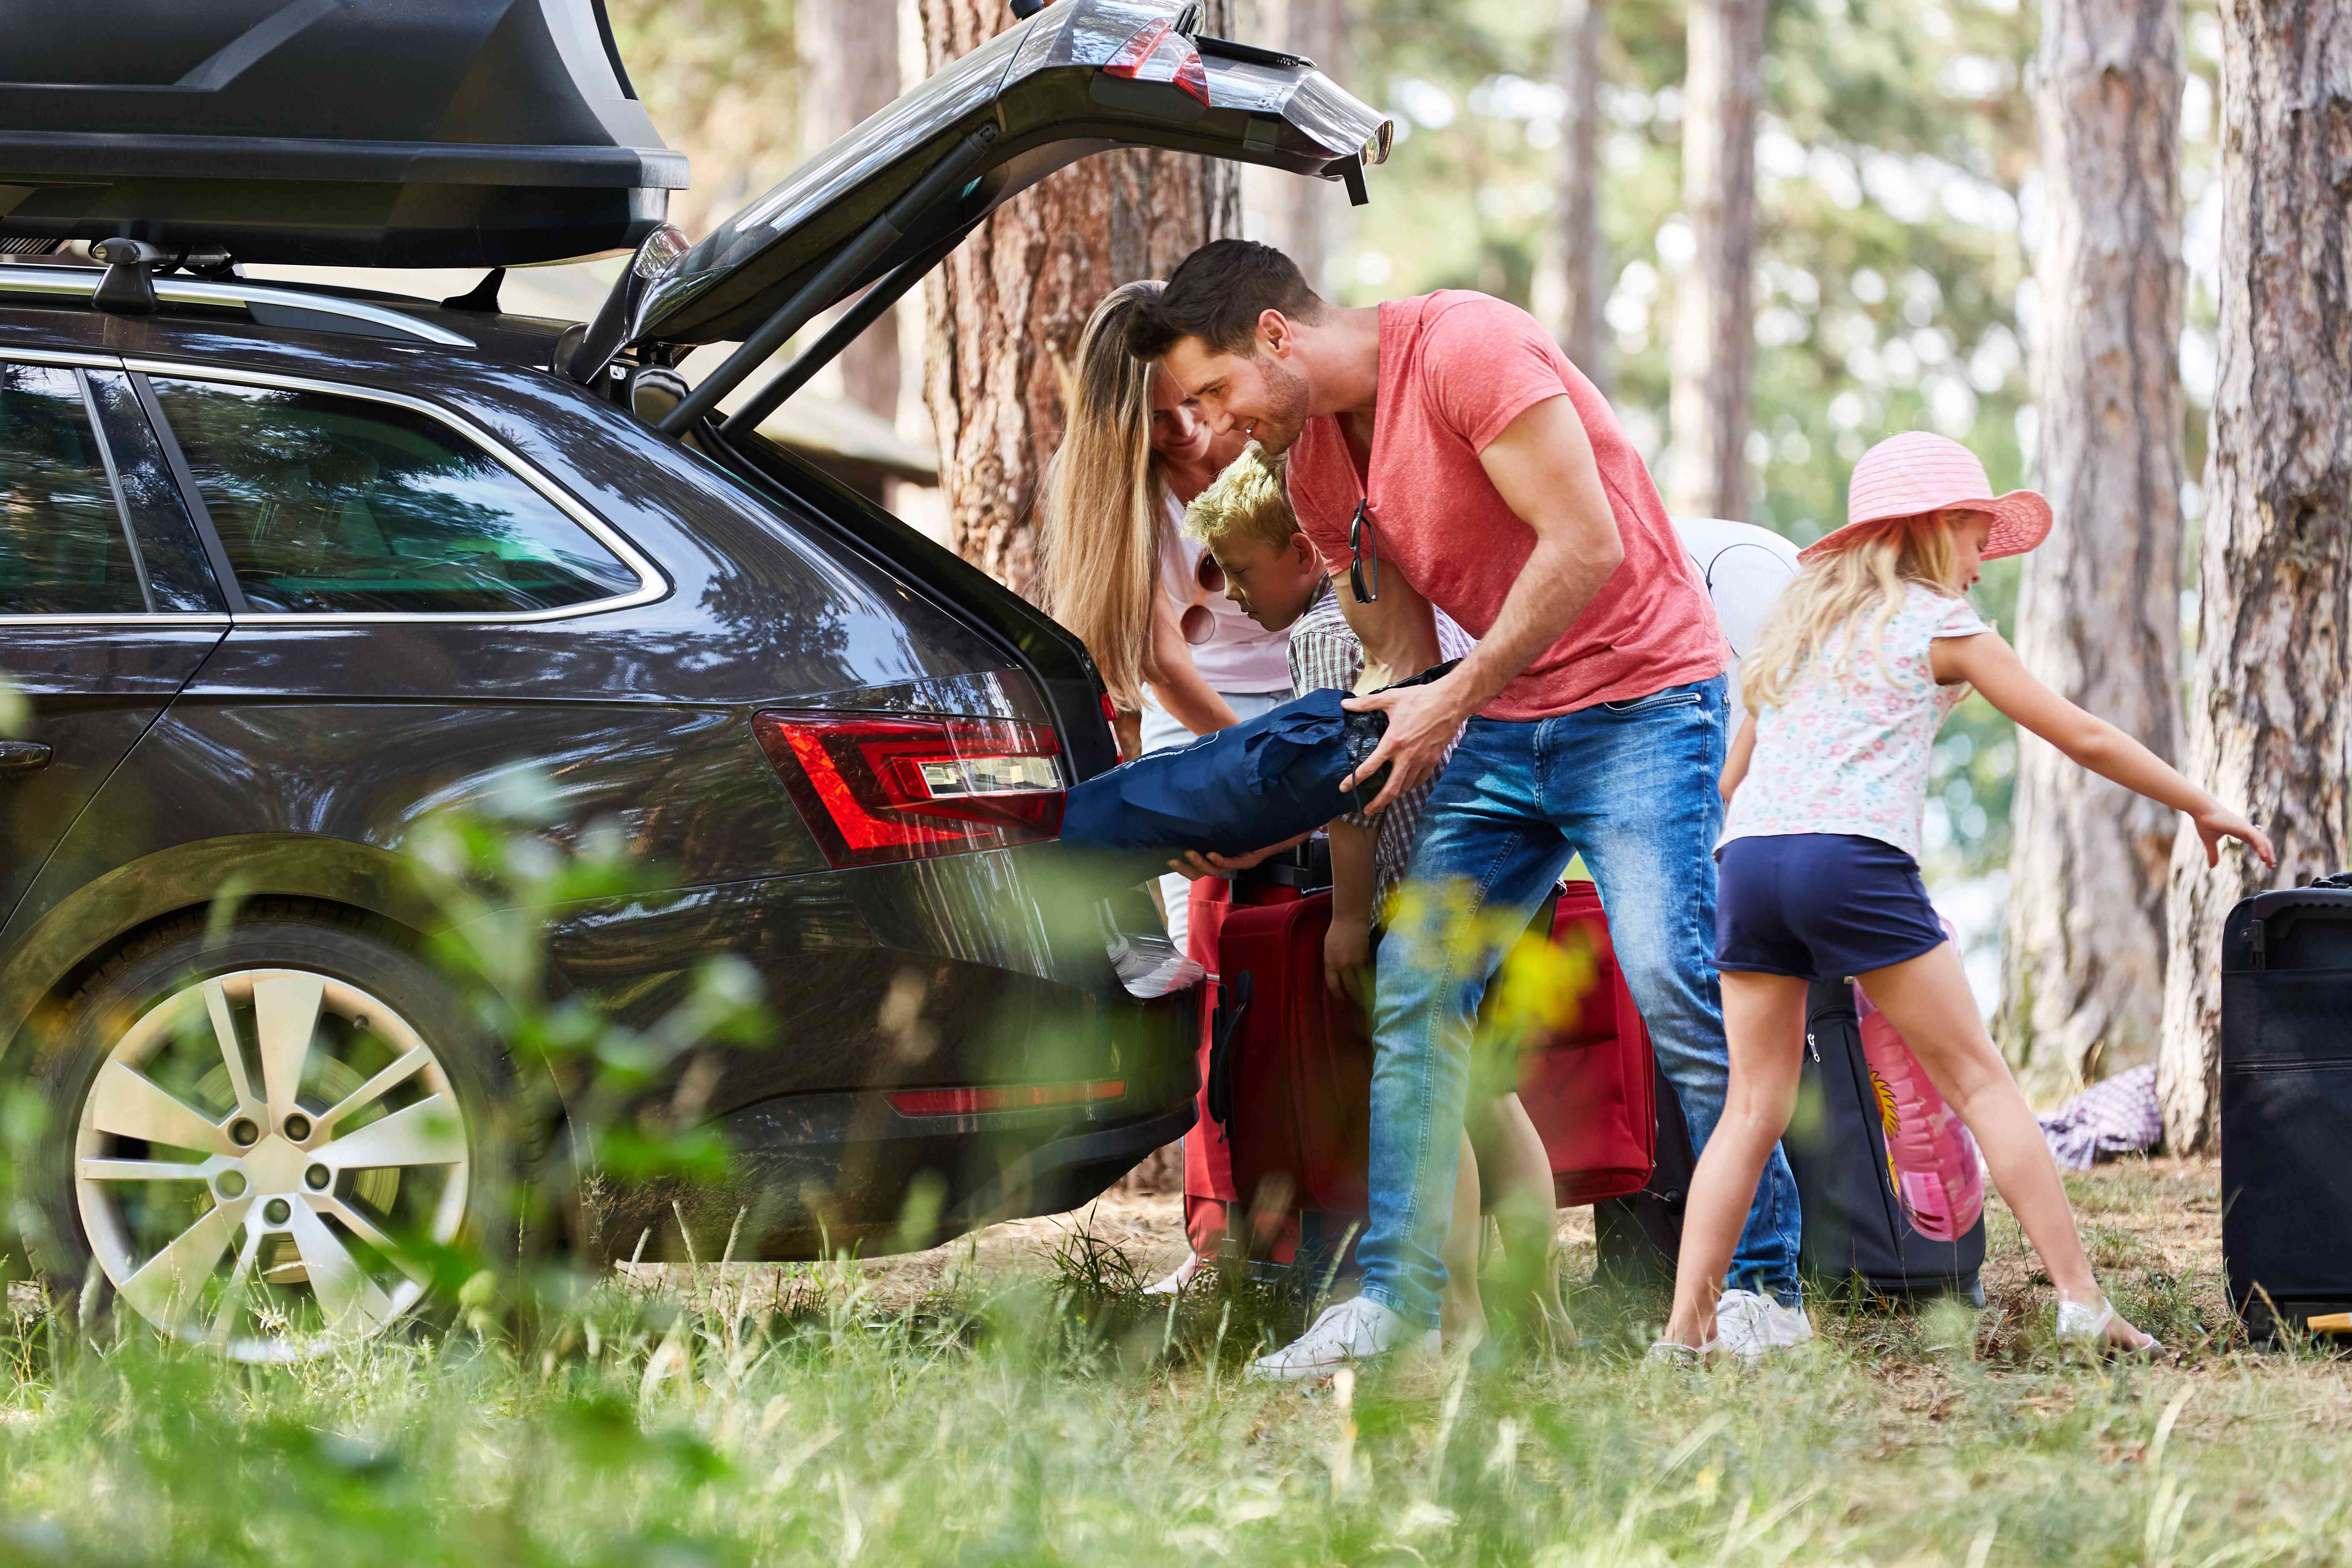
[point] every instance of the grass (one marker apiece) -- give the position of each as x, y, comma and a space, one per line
1039, 1411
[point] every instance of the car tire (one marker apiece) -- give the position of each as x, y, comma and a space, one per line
303, 1190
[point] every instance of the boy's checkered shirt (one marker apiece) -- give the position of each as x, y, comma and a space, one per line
1325, 652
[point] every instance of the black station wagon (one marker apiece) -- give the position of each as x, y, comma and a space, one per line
286, 571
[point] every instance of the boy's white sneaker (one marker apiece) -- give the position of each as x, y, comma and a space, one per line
1752, 1326
1357, 1329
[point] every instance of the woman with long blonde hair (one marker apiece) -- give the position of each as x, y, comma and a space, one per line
1868, 650
1148, 601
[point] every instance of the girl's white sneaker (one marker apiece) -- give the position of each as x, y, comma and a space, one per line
1752, 1326
1673, 1353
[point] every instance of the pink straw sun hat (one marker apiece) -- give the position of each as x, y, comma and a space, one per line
1919, 471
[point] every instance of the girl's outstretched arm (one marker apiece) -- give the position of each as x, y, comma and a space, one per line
1992, 666
1735, 761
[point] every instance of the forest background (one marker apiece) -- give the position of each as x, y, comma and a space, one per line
1885, 171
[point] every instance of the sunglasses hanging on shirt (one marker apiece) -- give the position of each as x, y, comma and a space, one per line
1361, 533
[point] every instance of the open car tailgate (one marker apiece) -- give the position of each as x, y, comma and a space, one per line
1080, 77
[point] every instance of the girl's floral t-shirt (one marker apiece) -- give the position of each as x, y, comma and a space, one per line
1847, 750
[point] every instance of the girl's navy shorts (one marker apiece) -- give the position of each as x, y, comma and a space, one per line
1819, 904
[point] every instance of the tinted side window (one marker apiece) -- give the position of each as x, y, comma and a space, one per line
341, 504
62, 548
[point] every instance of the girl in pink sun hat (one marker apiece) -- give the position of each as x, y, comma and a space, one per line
1867, 651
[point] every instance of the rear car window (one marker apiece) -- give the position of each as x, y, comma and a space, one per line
341, 505
63, 551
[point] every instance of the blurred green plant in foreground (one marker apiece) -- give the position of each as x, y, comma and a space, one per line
1013, 1414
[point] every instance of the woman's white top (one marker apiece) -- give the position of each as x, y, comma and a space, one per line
1231, 652
1847, 750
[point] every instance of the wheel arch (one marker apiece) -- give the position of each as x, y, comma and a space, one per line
50, 959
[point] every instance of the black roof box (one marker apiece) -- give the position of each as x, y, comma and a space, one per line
335, 132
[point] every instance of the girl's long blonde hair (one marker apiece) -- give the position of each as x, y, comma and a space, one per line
1833, 594
1106, 505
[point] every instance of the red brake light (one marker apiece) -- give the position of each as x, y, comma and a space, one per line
1159, 53
1024, 1097
878, 787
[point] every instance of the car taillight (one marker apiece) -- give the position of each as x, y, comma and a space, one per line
1159, 53
876, 788
1016, 1096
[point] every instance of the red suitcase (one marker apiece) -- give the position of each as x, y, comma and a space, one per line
1208, 1160
1298, 1069
1589, 1089
1296, 1075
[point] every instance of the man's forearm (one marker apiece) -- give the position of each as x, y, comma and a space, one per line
1553, 588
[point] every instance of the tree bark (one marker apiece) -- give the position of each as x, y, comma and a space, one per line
2099, 613
849, 55
1305, 219
1715, 329
1004, 313
1571, 282
2269, 723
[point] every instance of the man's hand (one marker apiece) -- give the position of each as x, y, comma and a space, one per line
1196, 864
1347, 948
1422, 721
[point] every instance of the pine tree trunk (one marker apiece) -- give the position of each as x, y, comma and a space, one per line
2099, 616
2269, 723
1305, 219
1571, 282
849, 53
1715, 331
1004, 312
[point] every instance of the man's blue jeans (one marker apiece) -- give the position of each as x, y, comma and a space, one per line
1632, 786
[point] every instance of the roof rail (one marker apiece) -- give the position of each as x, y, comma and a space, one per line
234, 292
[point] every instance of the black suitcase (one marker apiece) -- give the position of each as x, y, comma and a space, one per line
2286, 1107
1854, 1229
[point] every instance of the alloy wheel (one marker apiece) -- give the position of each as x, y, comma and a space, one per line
253, 1155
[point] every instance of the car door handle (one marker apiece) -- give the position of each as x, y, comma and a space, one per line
23, 756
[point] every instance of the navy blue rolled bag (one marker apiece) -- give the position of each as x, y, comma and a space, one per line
1258, 783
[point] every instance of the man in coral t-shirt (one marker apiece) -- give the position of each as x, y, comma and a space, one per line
1442, 451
